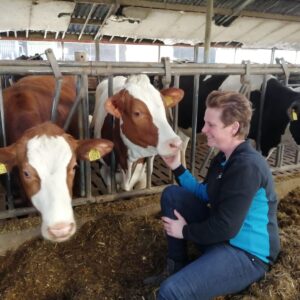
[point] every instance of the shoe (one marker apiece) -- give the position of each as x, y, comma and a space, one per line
171, 268
153, 295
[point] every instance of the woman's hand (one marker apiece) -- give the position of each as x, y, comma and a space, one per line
172, 162
174, 227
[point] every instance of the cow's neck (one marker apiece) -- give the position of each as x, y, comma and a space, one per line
120, 149
122, 154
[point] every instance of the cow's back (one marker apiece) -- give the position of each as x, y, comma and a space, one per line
28, 103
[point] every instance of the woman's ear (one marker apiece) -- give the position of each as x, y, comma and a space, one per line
235, 127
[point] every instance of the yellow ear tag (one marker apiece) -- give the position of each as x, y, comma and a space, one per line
168, 101
3, 169
294, 115
94, 154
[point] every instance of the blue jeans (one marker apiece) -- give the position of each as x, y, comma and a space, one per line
220, 270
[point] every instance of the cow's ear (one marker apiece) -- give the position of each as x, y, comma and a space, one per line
294, 111
114, 105
112, 108
93, 149
8, 158
171, 96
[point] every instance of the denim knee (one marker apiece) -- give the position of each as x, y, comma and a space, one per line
167, 290
167, 201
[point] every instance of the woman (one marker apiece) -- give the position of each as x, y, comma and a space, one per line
231, 216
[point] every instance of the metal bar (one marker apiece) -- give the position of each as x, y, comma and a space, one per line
196, 53
2, 118
279, 155
75, 105
149, 169
285, 68
113, 187
166, 79
79, 88
297, 155
96, 68
9, 197
285, 168
175, 117
112, 10
175, 111
209, 15
58, 82
97, 50
87, 20
83, 201
83, 123
206, 159
194, 123
86, 134
272, 59
261, 107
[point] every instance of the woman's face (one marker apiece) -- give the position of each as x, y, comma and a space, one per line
218, 135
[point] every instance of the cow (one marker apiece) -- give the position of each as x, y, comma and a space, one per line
43, 153
8, 80
279, 102
140, 127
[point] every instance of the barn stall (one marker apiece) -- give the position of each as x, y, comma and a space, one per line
125, 225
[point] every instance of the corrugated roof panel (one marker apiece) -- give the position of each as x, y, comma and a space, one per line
245, 22
100, 12
81, 10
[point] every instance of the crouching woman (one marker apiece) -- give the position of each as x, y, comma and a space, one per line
231, 215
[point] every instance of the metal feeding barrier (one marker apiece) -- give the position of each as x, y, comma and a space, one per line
82, 69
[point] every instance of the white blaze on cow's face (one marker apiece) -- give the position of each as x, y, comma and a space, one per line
168, 142
51, 161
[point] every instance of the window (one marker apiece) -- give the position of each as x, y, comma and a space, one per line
259, 56
288, 55
225, 56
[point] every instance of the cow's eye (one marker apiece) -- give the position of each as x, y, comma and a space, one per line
26, 174
136, 113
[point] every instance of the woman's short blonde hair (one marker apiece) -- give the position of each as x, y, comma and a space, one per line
235, 107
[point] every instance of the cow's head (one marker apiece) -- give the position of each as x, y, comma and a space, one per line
46, 159
141, 110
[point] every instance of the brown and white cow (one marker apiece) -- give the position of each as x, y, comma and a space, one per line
44, 154
141, 128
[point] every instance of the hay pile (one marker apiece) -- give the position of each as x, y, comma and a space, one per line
110, 255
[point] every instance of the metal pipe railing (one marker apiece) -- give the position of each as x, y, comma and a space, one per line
95, 68
111, 69
12, 213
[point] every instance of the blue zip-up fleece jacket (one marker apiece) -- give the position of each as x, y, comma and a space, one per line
241, 196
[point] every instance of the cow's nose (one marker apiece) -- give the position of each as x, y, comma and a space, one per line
61, 231
175, 143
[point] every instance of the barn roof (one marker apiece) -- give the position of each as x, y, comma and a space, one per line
250, 23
